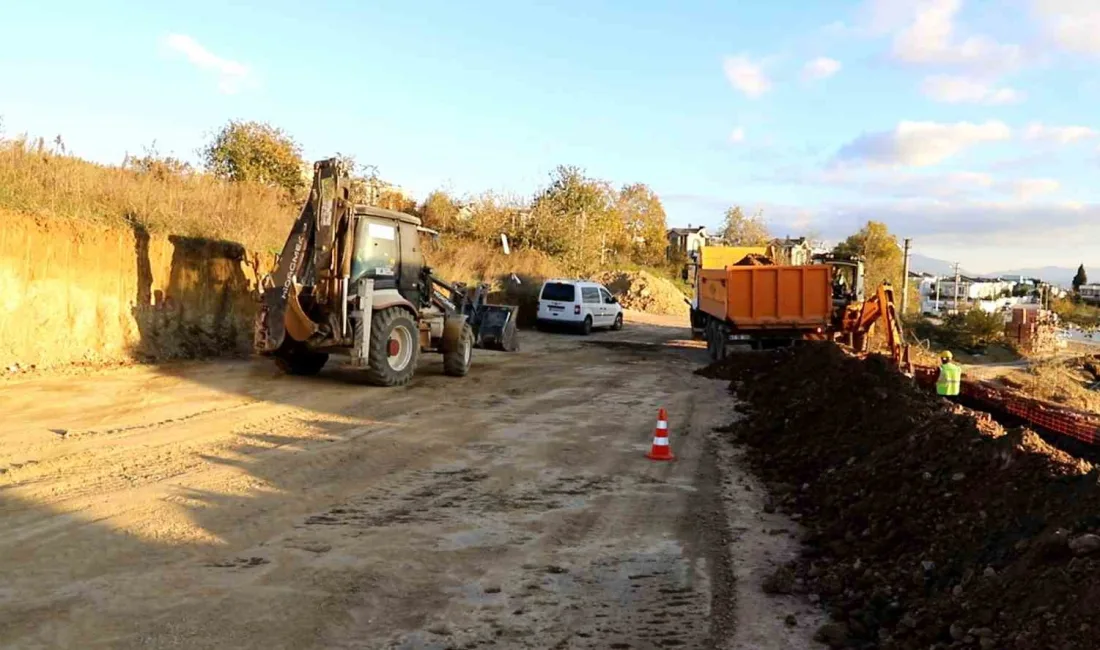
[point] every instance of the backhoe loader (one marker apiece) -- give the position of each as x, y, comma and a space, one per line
351, 279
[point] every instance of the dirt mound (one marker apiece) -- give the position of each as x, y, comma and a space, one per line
929, 526
642, 291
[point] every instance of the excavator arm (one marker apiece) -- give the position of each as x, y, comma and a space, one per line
859, 320
314, 259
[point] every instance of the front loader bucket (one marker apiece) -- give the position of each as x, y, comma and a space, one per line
496, 328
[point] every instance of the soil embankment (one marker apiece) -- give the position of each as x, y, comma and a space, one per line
929, 526
91, 294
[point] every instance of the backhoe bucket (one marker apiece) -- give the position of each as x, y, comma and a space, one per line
496, 328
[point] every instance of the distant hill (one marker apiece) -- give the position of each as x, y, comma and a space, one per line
924, 264
1053, 274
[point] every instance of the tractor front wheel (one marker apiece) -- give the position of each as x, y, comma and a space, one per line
394, 348
456, 362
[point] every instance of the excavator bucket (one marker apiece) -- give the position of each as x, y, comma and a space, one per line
495, 328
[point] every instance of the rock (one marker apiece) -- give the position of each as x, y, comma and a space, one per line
1085, 544
989, 572
791, 621
986, 643
769, 506
958, 476
956, 632
834, 635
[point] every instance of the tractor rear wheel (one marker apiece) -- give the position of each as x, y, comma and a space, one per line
296, 360
394, 347
456, 362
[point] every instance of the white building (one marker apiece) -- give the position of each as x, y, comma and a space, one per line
971, 289
1089, 292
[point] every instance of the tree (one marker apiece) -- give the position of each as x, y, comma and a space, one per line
1080, 279
741, 230
643, 224
256, 152
573, 217
440, 211
881, 253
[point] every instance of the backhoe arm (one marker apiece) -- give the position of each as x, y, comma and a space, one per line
313, 256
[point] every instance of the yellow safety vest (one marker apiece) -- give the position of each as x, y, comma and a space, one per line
950, 380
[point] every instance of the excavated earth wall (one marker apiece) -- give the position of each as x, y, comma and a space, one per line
88, 294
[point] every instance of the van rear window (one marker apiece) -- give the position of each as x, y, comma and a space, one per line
559, 292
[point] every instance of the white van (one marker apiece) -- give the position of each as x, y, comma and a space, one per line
579, 304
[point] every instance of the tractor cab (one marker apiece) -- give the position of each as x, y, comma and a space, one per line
847, 276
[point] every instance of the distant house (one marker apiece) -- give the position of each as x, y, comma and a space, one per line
1089, 293
795, 252
971, 288
924, 282
684, 241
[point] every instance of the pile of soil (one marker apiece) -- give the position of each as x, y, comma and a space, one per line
928, 525
642, 291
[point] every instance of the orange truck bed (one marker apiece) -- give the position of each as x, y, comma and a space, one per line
768, 297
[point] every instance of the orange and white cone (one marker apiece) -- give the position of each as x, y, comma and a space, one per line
661, 449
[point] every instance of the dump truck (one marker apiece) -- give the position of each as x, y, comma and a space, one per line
351, 280
767, 305
764, 305
712, 258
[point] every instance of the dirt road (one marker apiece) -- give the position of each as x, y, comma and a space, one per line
221, 505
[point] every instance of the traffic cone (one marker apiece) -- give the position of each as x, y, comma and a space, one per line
661, 449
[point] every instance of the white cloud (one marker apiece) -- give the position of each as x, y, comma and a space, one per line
952, 89
921, 144
1058, 134
746, 76
1028, 188
738, 135
233, 76
925, 33
820, 68
1072, 24
892, 183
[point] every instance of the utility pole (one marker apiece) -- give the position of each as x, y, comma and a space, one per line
956, 287
905, 280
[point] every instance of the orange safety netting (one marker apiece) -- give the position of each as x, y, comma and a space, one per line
1081, 425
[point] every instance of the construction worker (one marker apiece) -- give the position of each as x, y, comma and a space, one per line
950, 380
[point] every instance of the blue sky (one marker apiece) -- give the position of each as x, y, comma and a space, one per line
963, 124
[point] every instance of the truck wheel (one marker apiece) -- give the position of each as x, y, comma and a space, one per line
394, 348
721, 342
296, 360
456, 363
586, 326
708, 335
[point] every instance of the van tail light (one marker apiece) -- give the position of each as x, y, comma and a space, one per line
577, 309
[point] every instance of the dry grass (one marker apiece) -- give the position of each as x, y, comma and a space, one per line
465, 261
1056, 381
45, 185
